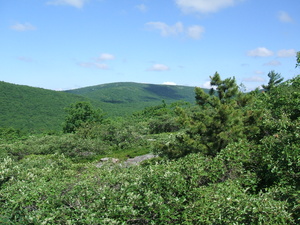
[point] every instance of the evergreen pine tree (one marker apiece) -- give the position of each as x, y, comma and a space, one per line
219, 120
275, 79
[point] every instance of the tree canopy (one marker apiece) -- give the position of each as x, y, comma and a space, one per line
275, 79
221, 118
80, 113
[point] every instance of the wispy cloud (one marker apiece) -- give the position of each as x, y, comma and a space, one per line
74, 3
25, 59
273, 63
286, 53
244, 64
106, 56
101, 66
98, 63
204, 6
255, 78
142, 7
284, 17
259, 72
166, 30
260, 52
194, 32
264, 52
207, 85
158, 67
85, 64
169, 83
22, 27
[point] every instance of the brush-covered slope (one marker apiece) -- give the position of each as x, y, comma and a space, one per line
126, 97
31, 108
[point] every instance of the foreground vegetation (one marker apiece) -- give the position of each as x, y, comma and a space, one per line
233, 158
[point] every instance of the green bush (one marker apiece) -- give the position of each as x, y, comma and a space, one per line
163, 124
81, 113
10, 135
191, 190
67, 144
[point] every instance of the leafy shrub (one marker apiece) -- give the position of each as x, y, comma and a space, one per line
226, 202
79, 114
163, 124
9, 135
277, 156
52, 190
67, 144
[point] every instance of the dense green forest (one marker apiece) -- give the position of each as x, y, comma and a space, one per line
41, 110
33, 109
125, 98
127, 92
230, 158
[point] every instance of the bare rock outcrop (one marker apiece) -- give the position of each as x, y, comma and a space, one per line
131, 161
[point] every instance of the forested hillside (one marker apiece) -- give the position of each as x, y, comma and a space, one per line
124, 98
37, 109
33, 109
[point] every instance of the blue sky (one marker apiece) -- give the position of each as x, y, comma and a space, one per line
66, 44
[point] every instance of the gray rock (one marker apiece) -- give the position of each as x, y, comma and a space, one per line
136, 160
104, 160
132, 161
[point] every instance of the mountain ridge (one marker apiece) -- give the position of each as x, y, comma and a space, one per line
33, 108
153, 90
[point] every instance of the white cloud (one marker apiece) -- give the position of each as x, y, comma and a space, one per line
273, 63
204, 6
260, 52
85, 64
101, 66
255, 78
195, 31
169, 83
286, 53
166, 30
106, 56
98, 62
74, 3
159, 67
284, 17
141, 7
207, 85
259, 72
264, 52
22, 27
